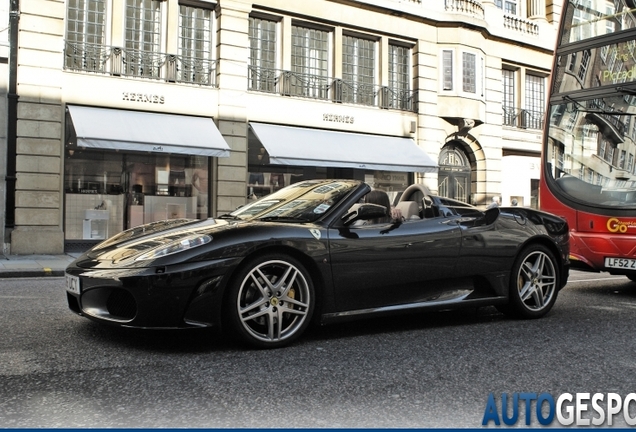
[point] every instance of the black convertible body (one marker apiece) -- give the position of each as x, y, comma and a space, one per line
299, 255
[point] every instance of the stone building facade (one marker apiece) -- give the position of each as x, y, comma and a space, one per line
130, 111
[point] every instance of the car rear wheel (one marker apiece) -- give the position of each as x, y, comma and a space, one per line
533, 283
271, 301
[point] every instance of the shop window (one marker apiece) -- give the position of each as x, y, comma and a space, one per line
265, 177
108, 192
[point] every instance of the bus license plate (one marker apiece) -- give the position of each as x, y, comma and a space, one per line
73, 284
622, 263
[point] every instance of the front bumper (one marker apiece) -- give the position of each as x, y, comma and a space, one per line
179, 296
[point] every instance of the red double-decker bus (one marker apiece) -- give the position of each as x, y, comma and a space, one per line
588, 168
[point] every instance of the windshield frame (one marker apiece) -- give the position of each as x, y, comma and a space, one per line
303, 202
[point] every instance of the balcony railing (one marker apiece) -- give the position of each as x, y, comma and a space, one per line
468, 7
117, 61
521, 25
605, 113
295, 84
523, 118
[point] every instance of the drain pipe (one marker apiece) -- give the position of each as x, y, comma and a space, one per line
12, 114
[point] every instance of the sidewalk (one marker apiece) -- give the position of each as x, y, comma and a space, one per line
16, 266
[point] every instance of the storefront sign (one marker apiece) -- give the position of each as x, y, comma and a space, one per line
142, 97
337, 118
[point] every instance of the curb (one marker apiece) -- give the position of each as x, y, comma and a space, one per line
45, 272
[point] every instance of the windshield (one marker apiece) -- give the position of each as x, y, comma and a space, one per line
302, 202
591, 141
590, 153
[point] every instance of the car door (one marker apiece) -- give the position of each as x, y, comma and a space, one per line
391, 264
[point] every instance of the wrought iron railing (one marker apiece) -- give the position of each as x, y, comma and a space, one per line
523, 118
117, 61
288, 83
613, 118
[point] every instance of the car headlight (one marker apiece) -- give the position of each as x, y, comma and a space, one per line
176, 246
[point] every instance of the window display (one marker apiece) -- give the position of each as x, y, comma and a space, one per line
108, 192
265, 178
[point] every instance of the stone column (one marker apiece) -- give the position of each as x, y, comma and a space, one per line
38, 212
230, 176
536, 9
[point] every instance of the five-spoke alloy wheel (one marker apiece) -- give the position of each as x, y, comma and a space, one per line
534, 283
271, 301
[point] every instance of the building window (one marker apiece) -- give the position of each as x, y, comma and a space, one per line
447, 68
399, 77
602, 149
621, 160
630, 163
535, 101
195, 45
509, 6
143, 38
609, 23
572, 62
310, 62
358, 70
262, 60
508, 102
469, 73
85, 24
585, 61
581, 19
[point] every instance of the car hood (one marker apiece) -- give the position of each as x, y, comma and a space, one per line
133, 243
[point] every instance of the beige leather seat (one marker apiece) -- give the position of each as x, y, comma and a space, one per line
409, 209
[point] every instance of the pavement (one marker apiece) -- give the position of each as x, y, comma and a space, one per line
22, 266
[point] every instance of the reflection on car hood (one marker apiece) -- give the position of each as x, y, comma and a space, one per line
136, 241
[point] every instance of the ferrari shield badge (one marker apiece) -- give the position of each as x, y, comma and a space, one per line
316, 233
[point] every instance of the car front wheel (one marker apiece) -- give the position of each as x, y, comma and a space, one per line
271, 301
533, 283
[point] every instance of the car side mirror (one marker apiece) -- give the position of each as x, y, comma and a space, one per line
364, 212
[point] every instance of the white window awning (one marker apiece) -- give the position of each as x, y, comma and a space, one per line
289, 145
114, 129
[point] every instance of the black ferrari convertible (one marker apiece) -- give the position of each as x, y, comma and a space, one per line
312, 252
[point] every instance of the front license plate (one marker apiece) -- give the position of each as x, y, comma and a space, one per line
622, 263
73, 284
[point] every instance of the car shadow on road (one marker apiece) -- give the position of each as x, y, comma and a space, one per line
200, 341
162, 341
406, 323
